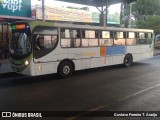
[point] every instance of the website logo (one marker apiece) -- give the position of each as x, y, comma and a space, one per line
6, 114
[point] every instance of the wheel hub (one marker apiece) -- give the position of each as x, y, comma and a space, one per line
127, 60
66, 70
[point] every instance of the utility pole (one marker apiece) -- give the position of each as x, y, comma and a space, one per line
130, 15
104, 13
43, 10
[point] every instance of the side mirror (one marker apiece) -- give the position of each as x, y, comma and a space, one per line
37, 46
39, 43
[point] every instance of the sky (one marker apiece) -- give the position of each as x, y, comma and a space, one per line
112, 9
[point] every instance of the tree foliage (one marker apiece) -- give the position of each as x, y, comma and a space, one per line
146, 14
144, 8
152, 22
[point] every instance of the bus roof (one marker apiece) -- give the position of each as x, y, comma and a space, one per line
33, 24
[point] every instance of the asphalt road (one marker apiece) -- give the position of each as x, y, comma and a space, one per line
114, 88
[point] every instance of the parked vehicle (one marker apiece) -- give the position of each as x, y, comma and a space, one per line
157, 41
5, 38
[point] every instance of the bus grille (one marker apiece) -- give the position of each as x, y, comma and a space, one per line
17, 67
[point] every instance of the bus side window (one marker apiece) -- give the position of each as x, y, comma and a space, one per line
46, 42
75, 38
70, 38
105, 38
39, 42
131, 38
89, 38
62, 33
119, 38
141, 38
77, 41
53, 39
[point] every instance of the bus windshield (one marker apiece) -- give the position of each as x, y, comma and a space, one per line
21, 44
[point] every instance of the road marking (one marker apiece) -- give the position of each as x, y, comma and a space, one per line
134, 94
105, 106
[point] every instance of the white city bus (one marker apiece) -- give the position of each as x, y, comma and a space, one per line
40, 48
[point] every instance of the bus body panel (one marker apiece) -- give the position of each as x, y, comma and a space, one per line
87, 61
116, 50
140, 52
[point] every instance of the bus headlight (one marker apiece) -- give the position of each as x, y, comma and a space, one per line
26, 62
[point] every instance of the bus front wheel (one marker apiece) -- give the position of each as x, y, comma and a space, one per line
65, 69
127, 60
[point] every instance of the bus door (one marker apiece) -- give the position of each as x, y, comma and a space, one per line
45, 40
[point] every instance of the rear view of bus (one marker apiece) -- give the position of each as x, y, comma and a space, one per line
21, 48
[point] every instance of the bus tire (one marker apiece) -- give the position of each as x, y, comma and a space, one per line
128, 59
65, 69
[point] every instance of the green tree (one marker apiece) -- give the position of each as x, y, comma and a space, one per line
145, 8
152, 22
146, 14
